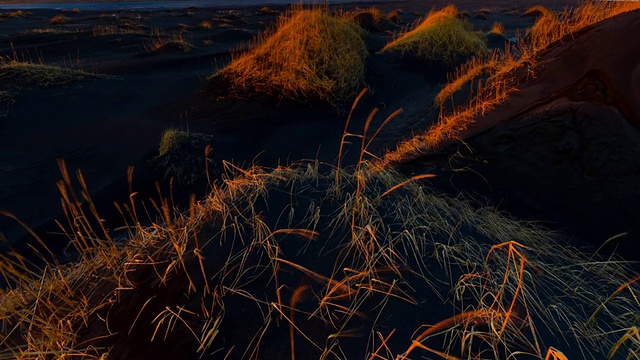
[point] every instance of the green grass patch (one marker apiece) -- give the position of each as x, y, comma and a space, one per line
443, 38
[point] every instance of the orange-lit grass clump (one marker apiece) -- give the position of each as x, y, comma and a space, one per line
498, 74
59, 20
442, 38
317, 261
311, 54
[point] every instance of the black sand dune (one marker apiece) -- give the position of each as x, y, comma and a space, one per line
565, 148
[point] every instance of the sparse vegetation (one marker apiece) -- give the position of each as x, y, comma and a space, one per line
473, 69
379, 243
101, 30
381, 21
536, 11
497, 28
161, 42
442, 38
549, 28
16, 14
394, 17
310, 55
59, 20
181, 155
6, 101
46, 31
39, 74
206, 24
355, 262
265, 10
171, 140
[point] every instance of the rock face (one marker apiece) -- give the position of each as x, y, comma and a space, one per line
565, 148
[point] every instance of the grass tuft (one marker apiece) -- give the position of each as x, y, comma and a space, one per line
497, 28
58, 20
442, 38
206, 24
310, 55
16, 14
40, 74
171, 140
394, 17
161, 42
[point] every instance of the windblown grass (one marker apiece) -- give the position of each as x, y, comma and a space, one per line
551, 27
310, 55
442, 38
499, 71
369, 242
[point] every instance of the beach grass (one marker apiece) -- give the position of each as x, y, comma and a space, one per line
497, 28
161, 41
309, 55
441, 38
16, 14
40, 74
58, 20
311, 259
368, 241
498, 69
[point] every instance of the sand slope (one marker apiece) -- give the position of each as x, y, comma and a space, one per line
565, 148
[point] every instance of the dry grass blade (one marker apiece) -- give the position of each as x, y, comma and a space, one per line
626, 285
345, 134
296, 297
555, 354
410, 180
31, 232
633, 335
339, 286
482, 316
304, 233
